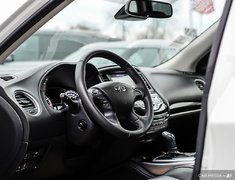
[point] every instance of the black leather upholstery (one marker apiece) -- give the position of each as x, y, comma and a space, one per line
180, 173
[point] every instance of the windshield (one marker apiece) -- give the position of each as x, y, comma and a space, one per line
84, 26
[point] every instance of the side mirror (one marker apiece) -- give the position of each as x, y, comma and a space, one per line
148, 8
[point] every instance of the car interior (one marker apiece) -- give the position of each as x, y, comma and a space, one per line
72, 120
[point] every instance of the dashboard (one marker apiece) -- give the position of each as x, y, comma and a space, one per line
41, 95
172, 92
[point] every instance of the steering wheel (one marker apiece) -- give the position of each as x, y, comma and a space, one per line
111, 104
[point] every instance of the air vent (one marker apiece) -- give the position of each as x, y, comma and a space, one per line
145, 81
7, 77
105, 77
200, 84
27, 102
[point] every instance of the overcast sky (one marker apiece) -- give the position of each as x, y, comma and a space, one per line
8, 7
93, 13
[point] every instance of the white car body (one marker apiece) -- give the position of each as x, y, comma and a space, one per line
219, 145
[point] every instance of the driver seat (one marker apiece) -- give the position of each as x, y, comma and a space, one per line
178, 173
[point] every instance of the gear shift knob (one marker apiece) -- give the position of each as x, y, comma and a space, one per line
170, 141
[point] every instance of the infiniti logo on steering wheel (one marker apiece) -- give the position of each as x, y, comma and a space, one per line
119, 88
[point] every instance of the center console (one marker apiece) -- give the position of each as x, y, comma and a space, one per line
172, 158
161, 110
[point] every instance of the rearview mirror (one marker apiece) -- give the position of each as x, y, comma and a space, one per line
148, 8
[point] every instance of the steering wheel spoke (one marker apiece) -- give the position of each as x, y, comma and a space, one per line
112, 117
140, 125
100, 99
137, 120
139, 94
103, 104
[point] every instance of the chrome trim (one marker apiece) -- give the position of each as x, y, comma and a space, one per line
161, 168
32, 99
174, 160
200, 80
185, 113
181, 163
184, 104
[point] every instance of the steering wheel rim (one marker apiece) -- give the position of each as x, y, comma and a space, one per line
113, 125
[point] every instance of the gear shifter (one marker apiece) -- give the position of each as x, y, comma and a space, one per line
169, 139
172, 151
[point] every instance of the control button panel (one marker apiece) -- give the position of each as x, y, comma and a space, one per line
158, 104
161, 115
101, 101
31, 160
160, 122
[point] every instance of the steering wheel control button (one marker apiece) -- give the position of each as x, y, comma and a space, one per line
101, 98
106, 106
82, 125
95, 91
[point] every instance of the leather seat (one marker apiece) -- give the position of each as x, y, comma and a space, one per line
180, 173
